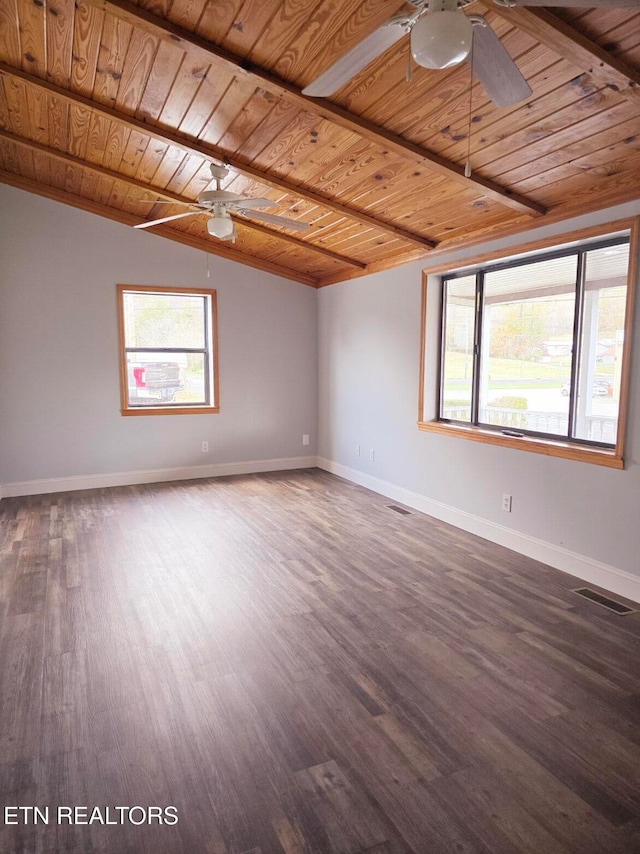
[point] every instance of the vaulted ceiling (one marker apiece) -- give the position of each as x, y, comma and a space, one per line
114, 107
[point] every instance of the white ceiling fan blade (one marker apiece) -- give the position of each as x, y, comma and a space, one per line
253, 203
272, 219
166, 219
160, 202
574, 4
495, 69
355, 60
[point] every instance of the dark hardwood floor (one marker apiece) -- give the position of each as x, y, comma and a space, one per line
297, 668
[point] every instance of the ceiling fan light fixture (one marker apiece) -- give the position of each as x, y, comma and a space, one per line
441, 39
220, 226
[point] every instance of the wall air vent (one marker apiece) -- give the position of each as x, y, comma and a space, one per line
599, 599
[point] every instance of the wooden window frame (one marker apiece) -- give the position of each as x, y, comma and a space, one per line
611, 457
212, 352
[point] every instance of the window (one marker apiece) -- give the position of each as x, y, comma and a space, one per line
533, 348
168, 350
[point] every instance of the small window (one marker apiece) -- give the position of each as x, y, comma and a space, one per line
533, 348
168, 351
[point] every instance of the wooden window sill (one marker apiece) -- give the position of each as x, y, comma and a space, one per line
174, 410
550, 447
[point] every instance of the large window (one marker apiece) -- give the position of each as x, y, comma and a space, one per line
533, 347
168, 344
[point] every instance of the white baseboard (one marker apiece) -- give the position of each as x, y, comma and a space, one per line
98, 481
610, 578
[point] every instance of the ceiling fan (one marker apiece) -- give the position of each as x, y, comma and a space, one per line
219, 204
443, 36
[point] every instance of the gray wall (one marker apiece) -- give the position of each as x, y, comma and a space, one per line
59, 396
59, 392
369, 338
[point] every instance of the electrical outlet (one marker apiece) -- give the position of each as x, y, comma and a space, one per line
305, 438
506, 503
357, 450
205, 447
372, 456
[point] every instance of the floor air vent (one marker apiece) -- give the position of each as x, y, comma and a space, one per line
400, 510
599, 599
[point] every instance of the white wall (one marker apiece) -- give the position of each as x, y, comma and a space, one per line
59, 386
369, 340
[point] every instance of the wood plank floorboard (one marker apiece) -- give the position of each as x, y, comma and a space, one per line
297, 668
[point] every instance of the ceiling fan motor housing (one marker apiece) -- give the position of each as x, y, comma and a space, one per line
217, 197
441, 38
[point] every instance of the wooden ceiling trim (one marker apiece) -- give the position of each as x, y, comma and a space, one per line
558, 215
132, 183
165, 29
212, 152
623, 188
161, 230
566, 41
375, 267
531, 246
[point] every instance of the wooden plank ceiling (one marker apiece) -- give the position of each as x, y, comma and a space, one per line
110, 105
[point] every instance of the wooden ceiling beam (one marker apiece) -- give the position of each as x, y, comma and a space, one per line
212, 152
568, 43
133, 183
125, 218
193, 44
